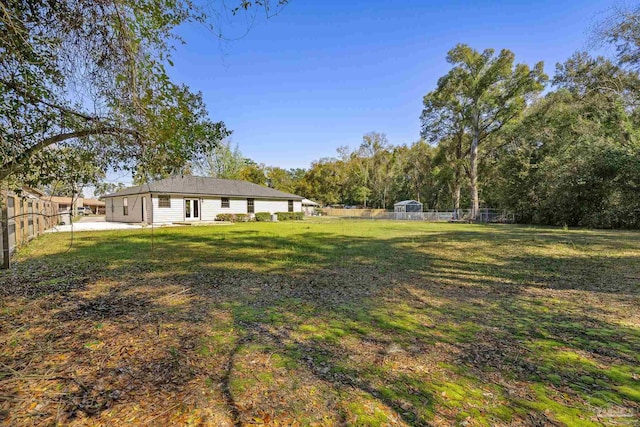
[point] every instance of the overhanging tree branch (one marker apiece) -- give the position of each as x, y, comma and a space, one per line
25, 155
37, 100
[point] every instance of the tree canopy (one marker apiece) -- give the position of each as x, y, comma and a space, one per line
86, 89
564, 151
91, 75
481, 94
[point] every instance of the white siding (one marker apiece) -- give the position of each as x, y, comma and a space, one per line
175, 213
211, 207
271, 206
114, 210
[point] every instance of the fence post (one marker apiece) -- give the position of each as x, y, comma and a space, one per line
4, 219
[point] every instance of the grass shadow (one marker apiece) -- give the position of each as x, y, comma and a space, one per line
345, 323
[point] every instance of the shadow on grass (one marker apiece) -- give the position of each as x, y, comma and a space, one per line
356, 313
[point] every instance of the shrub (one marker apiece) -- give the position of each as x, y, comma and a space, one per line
225, 217
283, 216
289, 216
242, 218
260, 216
263, 216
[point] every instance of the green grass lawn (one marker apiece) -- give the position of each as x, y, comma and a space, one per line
325, 322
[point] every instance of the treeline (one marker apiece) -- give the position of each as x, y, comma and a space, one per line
559, 150
568, 157
226, 161
378, 174
563, 150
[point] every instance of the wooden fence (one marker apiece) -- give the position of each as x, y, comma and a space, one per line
23, 218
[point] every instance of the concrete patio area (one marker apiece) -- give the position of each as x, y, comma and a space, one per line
93, 223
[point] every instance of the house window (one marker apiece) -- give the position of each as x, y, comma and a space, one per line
125, 206
164, 201
290, 205
225, 202
250, 206
111, 205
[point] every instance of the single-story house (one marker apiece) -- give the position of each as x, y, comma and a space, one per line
195, 198
96, 206
67, 203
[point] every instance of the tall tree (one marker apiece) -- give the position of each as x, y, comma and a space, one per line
622, 30
568, 160
444, 122
492, 91
414, 176
284, 180
221, 161
372, 164
324, 182
92, 74
104, 188
253, 172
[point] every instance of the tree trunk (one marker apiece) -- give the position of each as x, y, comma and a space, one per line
457, 184
473, 176
456, 195
4, 224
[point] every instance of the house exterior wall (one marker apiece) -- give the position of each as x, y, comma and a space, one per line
115, 208
210, 207
174, 213
272, 206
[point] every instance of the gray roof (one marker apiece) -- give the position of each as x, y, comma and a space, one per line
407, 202
199, 185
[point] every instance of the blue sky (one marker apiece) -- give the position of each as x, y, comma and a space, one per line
323, 73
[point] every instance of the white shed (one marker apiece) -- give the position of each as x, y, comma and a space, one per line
309, 207
407, 206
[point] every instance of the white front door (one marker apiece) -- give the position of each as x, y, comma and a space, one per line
191, 209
